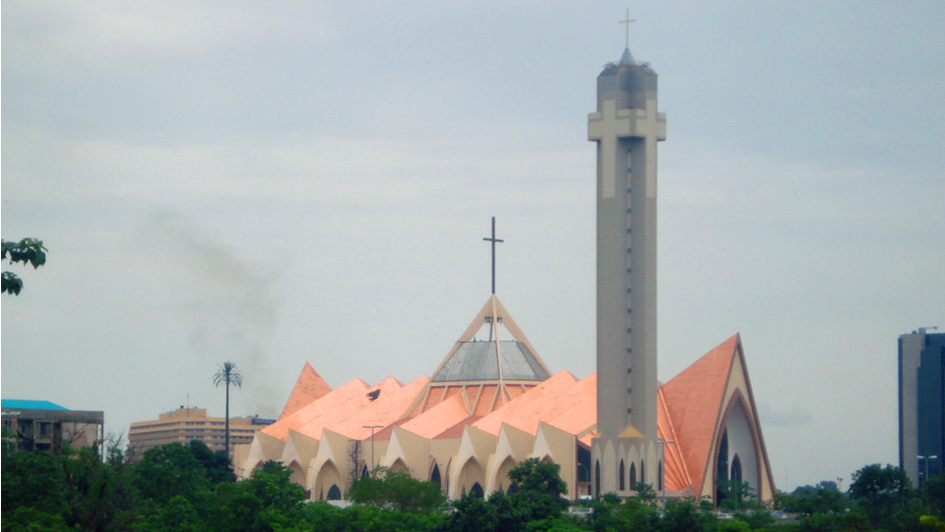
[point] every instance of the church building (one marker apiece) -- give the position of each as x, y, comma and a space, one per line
492, 402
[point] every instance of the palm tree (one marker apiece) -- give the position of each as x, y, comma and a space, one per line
227, 374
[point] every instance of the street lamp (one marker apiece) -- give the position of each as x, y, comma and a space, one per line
372, 427
926, 459
662, 444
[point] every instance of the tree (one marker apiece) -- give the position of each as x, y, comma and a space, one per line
28, 251
227, 375
540, 489
882, 492
808, 500
396, 490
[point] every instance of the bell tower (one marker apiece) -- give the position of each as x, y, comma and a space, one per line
626, 128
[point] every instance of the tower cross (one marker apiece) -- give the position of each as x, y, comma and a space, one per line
493, 240
627, 20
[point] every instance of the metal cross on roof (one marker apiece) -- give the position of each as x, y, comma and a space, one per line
627, 20
493, 239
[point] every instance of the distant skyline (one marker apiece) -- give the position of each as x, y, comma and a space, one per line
311, 181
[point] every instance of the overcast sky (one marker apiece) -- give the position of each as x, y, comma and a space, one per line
274, 183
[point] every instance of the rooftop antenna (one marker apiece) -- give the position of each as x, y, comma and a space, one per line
627, 20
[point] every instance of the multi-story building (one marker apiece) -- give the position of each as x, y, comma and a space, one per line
46, 426
186, 424
921, 404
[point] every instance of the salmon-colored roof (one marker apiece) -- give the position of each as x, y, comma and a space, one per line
316, 409
544, 402
675, 471
433, 421
308, 387
694, 400
688, 410
580, 413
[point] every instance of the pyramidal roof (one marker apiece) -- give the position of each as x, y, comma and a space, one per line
494, 359
308, 387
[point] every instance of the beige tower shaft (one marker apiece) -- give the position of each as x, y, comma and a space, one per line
626, 128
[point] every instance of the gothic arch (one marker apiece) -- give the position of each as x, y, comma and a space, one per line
296, 473
740, 436
470, 475
399, 465
328, 475
501, 480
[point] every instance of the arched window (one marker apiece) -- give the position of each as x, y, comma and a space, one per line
736, 469
597, 479
621, 477
633, 476
513, 488
364, 472
642, 473
476, 491
334, 494
435, 475
721, 468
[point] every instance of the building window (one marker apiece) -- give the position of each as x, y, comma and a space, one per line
620, 474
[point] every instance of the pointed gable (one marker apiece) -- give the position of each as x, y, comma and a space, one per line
309, 387
694, 402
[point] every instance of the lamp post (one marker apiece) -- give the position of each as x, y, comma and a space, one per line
925, 459
662, 444
372, 427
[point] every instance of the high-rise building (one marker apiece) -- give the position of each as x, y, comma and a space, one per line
186, 424
626, 127
921, 404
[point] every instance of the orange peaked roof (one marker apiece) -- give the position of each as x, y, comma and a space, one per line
689, 407
694, 402
548, 400
308, 387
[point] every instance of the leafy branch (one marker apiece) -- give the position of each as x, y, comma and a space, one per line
28, 251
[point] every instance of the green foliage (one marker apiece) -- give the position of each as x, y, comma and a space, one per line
882, 492
216, 465
932, 522
685, 516
808, 500
644, 491
396, 490
29, 519
540, 490
737, 495
733, 525
228, 375
28, 251
168, 471
472, 514
639, 514
34, 480
933, 495
829, 522
190, 489
877, 485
